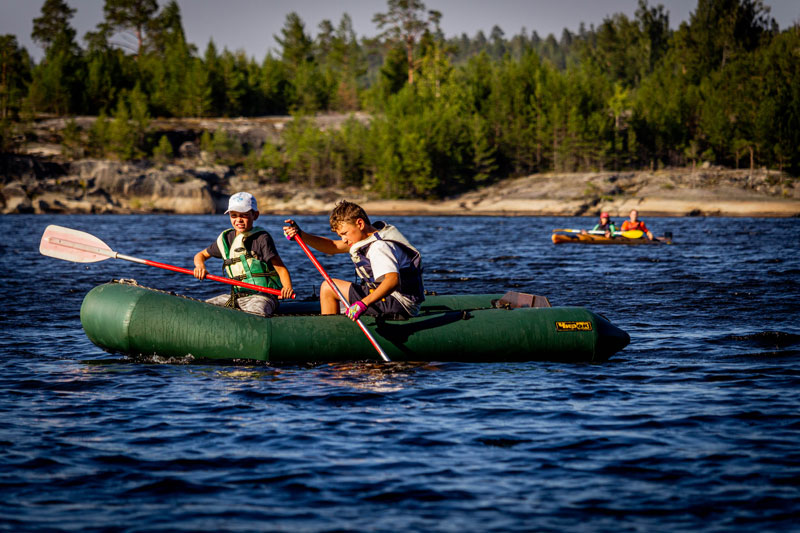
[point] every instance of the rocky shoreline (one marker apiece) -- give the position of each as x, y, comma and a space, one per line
32, 184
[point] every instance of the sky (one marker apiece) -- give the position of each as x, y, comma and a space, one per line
251, 25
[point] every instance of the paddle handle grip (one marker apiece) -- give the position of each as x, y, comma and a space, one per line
336, 289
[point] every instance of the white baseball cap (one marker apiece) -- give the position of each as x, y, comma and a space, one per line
242, 202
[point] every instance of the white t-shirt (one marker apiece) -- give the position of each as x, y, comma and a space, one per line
386, 257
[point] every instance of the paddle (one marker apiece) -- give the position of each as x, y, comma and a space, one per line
80, 247
341, 296
630, 234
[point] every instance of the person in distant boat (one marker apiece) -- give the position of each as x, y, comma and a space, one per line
634, 223
248, 255
605, 225
388, 265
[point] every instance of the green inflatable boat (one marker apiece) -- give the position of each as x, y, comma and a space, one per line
122, 317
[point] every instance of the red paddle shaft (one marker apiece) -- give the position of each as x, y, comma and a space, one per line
341, 296
117, 255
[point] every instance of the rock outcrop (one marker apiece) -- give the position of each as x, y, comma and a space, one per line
41, 181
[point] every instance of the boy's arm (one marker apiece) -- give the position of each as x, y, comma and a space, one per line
286, 278
323, 244
200, 264
390, 282
385, 267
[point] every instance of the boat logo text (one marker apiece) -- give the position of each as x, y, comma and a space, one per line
574, 326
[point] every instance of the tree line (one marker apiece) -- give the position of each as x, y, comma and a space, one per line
447, 114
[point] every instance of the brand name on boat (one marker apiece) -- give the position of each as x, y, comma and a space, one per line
574, 326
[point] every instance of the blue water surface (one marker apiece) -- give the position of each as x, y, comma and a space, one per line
695, 426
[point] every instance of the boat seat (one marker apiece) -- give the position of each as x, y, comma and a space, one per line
516, 300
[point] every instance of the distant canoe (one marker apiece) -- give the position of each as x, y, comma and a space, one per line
586, 238
134, 320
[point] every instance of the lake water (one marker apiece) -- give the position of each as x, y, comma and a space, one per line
695, 426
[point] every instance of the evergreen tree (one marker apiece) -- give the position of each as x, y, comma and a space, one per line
777, 100
296, 46
216, 84
719, 30
99, 136
405, 22
53, 25
15, 74
498, 44
57, 84
163, 152
197, 100
234, 84
72, 144
275, 86
122, 134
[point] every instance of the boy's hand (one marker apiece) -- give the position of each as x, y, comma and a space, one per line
200, 264
291, 229
286, 293
355, 310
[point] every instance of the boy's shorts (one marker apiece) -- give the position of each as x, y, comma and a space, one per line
387, 307
257, 304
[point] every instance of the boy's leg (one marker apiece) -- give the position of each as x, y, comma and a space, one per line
221, 300
258, 304
328, 299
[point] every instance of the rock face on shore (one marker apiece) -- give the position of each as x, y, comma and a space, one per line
671, 192
42, 182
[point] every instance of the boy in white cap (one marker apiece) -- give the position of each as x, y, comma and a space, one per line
248, 255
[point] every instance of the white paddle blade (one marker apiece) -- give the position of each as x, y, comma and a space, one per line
73, 245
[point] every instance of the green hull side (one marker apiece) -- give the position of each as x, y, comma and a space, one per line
139, 321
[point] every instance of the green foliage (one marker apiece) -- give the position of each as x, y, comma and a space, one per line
72, 143
11, 136
306, 152
52, 27
163, 152
15, 74
270, 162
206, 144
99, 136
122, 134
296, 45
224, 149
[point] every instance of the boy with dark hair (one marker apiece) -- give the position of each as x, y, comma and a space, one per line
389, 267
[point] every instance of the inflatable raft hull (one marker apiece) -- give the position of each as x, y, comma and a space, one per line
581, 238
134, 320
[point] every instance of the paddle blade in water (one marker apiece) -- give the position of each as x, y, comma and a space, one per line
73, 245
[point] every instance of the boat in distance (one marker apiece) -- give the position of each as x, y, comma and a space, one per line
588, 238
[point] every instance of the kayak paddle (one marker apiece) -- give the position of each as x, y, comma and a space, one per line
630, 234
341, 296
80, 247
